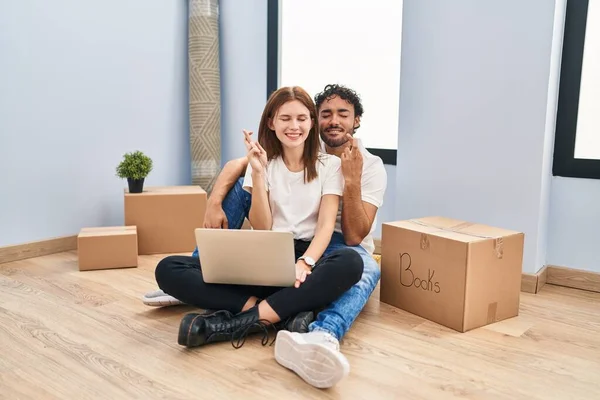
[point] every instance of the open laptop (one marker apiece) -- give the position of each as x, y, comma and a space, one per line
247, 257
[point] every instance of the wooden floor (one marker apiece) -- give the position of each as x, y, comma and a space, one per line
66, 334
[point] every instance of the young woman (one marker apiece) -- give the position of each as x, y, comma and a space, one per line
295, 188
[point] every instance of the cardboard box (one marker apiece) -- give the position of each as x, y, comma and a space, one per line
455, 273
107, 247
166, 217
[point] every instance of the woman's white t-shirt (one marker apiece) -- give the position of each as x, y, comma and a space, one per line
295, 204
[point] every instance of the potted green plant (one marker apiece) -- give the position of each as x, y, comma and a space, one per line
135, 167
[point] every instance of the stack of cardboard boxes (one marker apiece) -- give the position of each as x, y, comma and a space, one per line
160, 220
455, 273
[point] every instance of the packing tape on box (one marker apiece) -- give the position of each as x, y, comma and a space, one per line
424, 241
498, 241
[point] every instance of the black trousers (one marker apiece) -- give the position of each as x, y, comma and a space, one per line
334, 274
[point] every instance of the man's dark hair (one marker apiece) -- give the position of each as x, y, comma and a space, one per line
344, 93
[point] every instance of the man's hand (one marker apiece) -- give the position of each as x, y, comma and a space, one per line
352, 162
302, 271
215, 217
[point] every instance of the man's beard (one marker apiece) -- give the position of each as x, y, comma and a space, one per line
334, 142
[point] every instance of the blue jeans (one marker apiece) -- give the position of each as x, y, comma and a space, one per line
337, 317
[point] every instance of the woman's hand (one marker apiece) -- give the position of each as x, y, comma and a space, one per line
257, 156
302, 271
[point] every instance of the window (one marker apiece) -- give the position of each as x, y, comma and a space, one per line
577, 143
306, 47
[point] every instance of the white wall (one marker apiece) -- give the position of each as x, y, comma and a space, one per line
574, 220
575, 203
243, 40
80, 85
473, 104
548, 144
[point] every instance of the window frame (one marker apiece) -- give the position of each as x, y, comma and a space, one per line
388, 156
565, 164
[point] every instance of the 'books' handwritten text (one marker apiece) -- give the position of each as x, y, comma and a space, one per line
408, 278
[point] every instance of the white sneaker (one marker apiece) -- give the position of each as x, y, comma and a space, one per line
158, 298
314, 356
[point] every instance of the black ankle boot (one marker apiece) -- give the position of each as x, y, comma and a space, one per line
200, 329
297, 323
